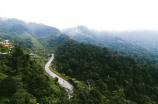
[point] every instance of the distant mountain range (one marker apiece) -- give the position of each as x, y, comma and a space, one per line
147, 38
136, 44
141, 45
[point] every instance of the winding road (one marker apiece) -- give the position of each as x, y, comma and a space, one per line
61, 81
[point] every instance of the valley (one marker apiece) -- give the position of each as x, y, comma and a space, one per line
100, 67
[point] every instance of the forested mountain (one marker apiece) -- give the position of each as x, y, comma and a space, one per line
108, 77
14, 30
22, 77
114, 41
48, 36
31, 36
98, 74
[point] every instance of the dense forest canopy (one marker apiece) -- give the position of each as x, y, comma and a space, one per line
22, 77
24, 81
111, 76
103, 67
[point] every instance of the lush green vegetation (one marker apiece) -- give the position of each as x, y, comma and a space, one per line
3, 49
106, 76
98, 74
24, 81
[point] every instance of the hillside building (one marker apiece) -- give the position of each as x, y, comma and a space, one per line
8, 45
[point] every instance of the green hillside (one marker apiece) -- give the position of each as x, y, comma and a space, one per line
106, 77
24, 81
35, 42
31, 36
103, 69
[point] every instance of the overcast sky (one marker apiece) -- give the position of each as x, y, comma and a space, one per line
116, 15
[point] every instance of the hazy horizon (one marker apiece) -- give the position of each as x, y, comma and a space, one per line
94, 29
108, 15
